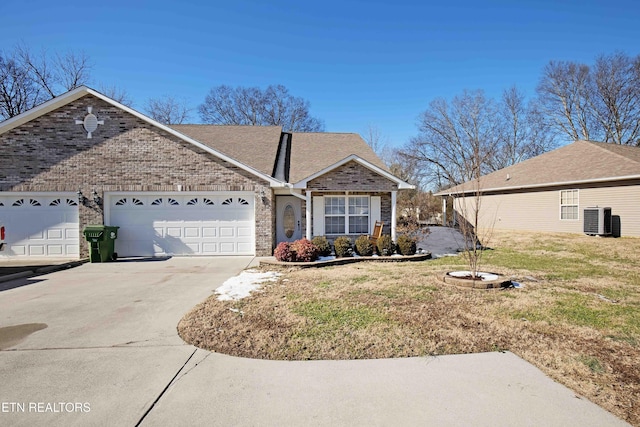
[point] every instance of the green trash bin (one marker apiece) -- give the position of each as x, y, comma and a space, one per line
102, 242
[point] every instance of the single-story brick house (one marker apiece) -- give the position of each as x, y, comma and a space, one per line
550, 192
83, 158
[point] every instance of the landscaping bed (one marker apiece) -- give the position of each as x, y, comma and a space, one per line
343, 261
576, 316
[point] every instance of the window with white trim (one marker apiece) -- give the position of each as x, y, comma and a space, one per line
334, 215
358, 215
569, 206
346, 214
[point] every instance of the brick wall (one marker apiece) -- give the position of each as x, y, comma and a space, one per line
52, 153
351, 176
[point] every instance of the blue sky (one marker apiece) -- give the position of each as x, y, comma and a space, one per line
359, 63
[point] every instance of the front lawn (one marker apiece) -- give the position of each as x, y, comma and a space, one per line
577, 317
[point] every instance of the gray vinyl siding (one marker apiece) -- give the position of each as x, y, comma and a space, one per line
540, 210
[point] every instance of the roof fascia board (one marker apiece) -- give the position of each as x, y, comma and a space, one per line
43, 108
535, 186
402, 185
81, 91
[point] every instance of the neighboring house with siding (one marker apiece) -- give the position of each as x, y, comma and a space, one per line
83, 158
550, 192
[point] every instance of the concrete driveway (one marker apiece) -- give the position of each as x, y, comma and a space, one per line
110, 355
110, 341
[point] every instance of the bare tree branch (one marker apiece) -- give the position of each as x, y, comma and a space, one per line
274, 106
167, 110
600, 103
28, 79
117, 94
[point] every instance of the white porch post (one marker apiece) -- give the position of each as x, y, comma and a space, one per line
444, 210
393, 215
308, 214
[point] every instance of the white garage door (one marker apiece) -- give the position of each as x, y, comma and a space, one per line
40, 225
182, 224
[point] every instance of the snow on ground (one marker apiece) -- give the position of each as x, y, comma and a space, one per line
483, 276
242, 285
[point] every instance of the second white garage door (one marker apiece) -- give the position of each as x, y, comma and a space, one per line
182, 223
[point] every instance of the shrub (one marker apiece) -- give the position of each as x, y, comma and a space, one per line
364, 247
305, 251
321, 242
385, 245
284, 253
343, 247
406, 245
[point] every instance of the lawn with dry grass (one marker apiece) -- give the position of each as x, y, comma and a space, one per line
577, 318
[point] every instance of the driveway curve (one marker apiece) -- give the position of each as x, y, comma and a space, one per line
97, 345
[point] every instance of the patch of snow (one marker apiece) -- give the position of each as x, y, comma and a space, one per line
326, 258
483, 276
242, 285
397, 255
443, 255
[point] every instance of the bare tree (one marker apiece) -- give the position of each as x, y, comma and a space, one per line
167, 110
564, 98
28, 79
274, 106
452, 135
523, 132
74, 70
18, 93
378, 142
414, 207
117, 94
616, 97
601, 102
470, 216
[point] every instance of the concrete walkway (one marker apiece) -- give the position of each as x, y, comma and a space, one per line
110, 355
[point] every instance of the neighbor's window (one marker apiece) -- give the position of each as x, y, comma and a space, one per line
569, 204
338, 219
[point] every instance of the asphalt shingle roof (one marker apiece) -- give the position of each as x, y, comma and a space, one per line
313, 152
257, 147
577, 162
254, 146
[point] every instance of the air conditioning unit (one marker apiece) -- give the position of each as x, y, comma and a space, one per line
597, 221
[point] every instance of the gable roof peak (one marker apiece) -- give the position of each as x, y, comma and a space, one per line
82, 91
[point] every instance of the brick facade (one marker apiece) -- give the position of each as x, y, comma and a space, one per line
53, 154
356, 179
352, 176
385, 209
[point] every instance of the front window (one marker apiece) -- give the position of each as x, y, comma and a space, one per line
358, 215
569, 204
340, 220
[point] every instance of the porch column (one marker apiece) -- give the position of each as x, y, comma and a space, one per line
308, 214
393, 215
444, 210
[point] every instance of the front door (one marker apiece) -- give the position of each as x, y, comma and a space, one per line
289, 218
